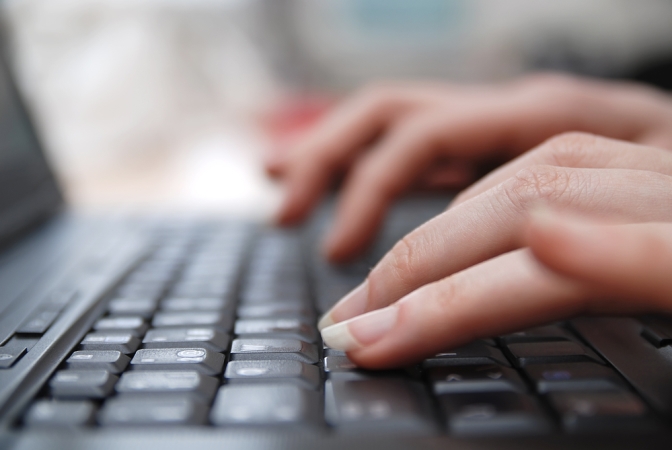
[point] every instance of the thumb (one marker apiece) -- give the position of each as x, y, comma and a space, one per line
627, 261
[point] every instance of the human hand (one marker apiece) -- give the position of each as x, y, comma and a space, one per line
391, 137
484, 268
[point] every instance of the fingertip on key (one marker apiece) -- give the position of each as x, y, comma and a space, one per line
360, 331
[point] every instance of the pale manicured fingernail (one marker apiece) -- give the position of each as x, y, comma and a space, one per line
360, 331
349, 306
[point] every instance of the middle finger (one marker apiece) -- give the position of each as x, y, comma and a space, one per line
579, 150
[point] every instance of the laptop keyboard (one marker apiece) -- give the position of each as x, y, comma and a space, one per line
217, 327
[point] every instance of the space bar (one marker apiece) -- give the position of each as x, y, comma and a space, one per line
647, 368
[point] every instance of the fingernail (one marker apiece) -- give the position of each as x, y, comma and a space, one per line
349, 306
360, 331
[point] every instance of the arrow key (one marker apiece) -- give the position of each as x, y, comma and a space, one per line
474, 379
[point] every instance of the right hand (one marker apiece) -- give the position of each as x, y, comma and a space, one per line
391, 137
473, 272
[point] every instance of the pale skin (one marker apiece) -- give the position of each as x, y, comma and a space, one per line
572, 224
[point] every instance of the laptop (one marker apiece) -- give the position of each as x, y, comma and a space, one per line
171, 333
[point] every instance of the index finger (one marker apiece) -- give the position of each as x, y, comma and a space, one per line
501, 295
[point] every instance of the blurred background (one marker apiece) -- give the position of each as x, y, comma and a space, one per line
170, 104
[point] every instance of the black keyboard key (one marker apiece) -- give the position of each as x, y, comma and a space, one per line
266, 405
606, 411
126, 343
377, 405
280, 328
551, 352
143, 307
658, 332
150, 382
283, 310
212, 267
112, 361
195, 304
204, 337
135, 325
8, 356
149, 289
546, 333
143, 411
200, 359
274, 295
216, 319
303, 374
82, 383
39, 321
202, 289
363, 374
271, 349
148, 275
338, 363
60, 413
493, 413
465, 379
573, 377
646, 367
331, 352
476, 353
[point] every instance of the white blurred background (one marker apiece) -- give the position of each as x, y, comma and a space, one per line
170, 104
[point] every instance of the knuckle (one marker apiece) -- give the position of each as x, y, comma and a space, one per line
536, 183
569, 149
444, 294
450, 298
401, 264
